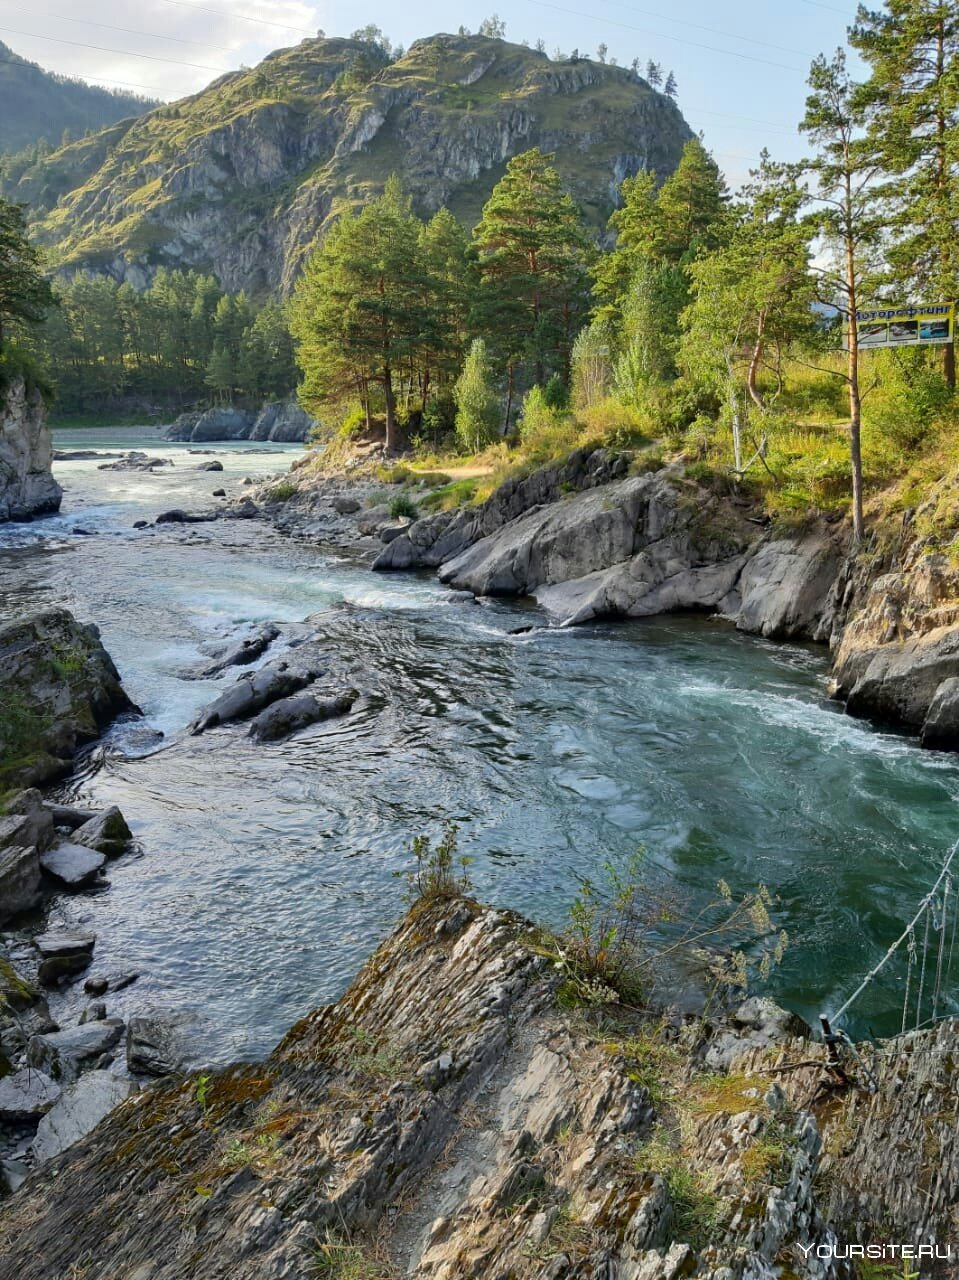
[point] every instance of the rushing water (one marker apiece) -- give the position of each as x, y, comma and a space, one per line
267, 872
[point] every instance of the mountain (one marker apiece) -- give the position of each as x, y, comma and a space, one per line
37, 105
242, 178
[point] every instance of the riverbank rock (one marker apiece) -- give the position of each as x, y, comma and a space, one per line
26, 1095
282, 422
64, 1055
154, 1045
446, 1119
63, 954
58, 690
258, 689
106, 833
78, 1111
19, 881
136, 460
27, 486
290, 714
244, 652
73, 866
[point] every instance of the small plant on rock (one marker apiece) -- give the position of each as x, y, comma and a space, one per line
441, 871
403, 507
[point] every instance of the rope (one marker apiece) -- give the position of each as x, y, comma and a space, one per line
922, 971
910, 965
952, 940
937, 991
902, 937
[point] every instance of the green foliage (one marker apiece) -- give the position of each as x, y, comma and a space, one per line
698, 1213
450, 496
477, 404
338, 1259
440, 871
403, 507
282, 492
25, 294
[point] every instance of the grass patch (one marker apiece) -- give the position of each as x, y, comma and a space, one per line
403, 507
458, 493
698, 1213
283, 491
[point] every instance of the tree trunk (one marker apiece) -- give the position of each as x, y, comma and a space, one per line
855, 400
390, 442
509, 399
949, 365
754, 362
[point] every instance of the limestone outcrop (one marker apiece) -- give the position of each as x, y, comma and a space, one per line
27, 486
447, 1120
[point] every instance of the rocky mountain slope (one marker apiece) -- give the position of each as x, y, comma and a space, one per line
37, 106
27, 486
241, 178
446, 1119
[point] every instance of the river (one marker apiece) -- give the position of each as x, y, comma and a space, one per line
268, 872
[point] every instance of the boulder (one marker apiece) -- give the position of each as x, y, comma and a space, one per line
178, 516
757, 1023
344, 505
107, 833
255, 690
58, 690
215, 465
246, 651
219, 493
289, 714
73, 865
283, 422
63, 954
63, 1055
154, 1045
65, 815
28, 821
80, 1109
371, 521
27, 486
26, 1095
19, 881
389, 532
221, 423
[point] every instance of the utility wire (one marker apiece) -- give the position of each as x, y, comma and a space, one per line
124, 53
243, 17
625, 26
713, 31
104, 26
59, 75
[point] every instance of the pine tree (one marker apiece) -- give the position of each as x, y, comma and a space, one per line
654, 73
634, 224
845, 168
533, 256
602, 51
448, 282
912, 105
25, 295
670, 88
691, 206
477, 404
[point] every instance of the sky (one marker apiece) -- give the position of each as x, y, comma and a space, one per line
740, 65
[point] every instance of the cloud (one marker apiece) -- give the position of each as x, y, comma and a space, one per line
183, 44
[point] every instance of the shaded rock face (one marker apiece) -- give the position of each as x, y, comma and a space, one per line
445, 1118
58, 689
283, 422
588, 542
27, 486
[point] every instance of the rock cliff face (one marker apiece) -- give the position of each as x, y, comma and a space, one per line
586, 541
27, 486
58, 689
283, 422
241, 178
446, 1120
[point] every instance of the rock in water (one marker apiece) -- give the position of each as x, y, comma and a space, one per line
73, 865
58, 689
63, 954
289, 714
79, 1111
258, 689
26, 1095
246, 651
27, 486
107, 833
154, 1045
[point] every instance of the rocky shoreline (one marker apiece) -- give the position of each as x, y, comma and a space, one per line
447, 1118
27, 486
590, 538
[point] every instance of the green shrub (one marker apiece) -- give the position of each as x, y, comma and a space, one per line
403, 507
450, 496
282, 492
440, 871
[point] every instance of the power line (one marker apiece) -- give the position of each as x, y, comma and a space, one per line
59, 75
625, 26
219, 13
715, 31
124, 53
104, 26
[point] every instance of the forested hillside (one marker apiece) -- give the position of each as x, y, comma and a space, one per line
40, 110
242, 179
